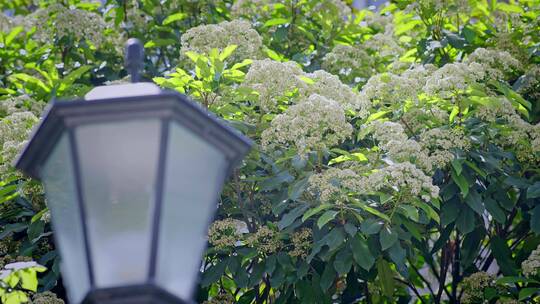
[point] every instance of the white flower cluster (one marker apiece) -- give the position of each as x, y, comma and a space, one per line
390, 88
58, 22
393, 140
452, 78
497, 64
336, 8
501, 109
380, 23
22, 103
439, 143
14, 131
404, 178
273, 80
530, 83
531, 266
279, 82
314, 124
352, 64
416, 119
331, 87
5, 23
449, 7
474, 285
203, 38
266, 240
333, 185
385, 45
252, 9
387, 131
518, 134
225, 233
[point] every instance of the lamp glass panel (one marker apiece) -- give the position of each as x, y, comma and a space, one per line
118, 163
194, 174
58, 179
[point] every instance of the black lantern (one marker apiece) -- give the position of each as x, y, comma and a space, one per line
132, 178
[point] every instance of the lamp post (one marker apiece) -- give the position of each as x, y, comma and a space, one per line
132, 175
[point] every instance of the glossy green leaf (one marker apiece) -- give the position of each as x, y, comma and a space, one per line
174, 17
361, 253
328, 276
386, 277
311, 212
326, 217
387, 237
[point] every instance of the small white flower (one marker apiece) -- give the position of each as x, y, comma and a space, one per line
314, 124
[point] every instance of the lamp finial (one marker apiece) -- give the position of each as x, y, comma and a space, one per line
134, 58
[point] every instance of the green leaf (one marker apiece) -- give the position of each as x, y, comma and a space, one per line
174, 17
387, 237
410, 212
276, 181
431, 213
527, 292
496, 212
453, 114
227, 52
12, 279
386, 277
72, 77
377, 115
406, 27
306, 79
275, 21
192, 55
29, 279
476, 169
326, 217
466, 221
242, 64
290, 217
533, 191
474, 200
510, 280
361, 254
35, 229
371, 210
30, 79
458, 167
12, 34
296, 189
461, 181
535, 219
503, 255
328, 276
274, 55
343, 261
15, 297
213, 273
311, 212
371, 226
449, 213
334, 238
357, 156
510, 8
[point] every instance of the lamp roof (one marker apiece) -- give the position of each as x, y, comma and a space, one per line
65, 115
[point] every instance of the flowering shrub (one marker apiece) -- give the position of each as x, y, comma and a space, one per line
397, 151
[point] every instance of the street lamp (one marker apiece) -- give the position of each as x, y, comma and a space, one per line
132, 175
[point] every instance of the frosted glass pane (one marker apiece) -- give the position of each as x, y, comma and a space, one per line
193, 179
118, 164
58, 179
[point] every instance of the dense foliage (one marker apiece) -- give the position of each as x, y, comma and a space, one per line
397, 155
